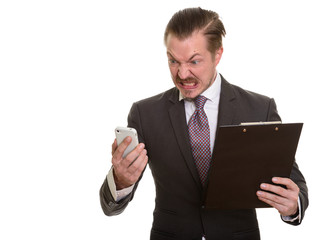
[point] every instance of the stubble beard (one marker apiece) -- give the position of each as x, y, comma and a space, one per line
178, 80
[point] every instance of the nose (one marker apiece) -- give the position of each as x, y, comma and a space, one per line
183, 71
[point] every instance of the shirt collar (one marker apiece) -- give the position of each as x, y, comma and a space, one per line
212, 92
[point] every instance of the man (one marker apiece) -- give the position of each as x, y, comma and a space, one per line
165, 125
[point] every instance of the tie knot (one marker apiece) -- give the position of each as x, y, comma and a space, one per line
200, 101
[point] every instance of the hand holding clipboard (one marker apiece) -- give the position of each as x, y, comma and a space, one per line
247, 155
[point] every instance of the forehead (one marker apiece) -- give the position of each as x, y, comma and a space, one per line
185, 48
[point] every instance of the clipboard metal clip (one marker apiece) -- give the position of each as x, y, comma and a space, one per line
260, 123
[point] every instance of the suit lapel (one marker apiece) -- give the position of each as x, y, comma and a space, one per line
227, 104
179, 124
227, 110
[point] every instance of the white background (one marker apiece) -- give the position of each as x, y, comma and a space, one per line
69, 73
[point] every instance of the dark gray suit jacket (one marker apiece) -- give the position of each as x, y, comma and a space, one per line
179, 213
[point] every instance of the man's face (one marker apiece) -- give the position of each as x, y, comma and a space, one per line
192, 66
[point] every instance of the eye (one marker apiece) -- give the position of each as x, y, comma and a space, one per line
194, 62
172, 61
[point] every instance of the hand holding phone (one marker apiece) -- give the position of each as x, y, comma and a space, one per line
122, 133
127, 169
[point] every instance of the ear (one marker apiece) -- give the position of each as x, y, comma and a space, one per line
218, 55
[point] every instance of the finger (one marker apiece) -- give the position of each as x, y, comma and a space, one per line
276, 205
291, 193
114, 146
137, 168
117, 155
274, 189
273, 200
287, 182
129, 175
132, 156
285, 207
136, 164
272, 197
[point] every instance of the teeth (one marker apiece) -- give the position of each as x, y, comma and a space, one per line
189, 84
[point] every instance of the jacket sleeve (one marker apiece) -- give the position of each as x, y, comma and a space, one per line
296, 176
109, 206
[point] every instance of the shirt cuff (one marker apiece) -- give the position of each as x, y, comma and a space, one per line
120, 194
292, 219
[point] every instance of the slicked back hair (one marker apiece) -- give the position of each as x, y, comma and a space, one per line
185, 22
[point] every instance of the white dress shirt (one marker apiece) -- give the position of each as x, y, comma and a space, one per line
211, 107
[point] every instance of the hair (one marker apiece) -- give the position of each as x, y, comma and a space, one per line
185, 22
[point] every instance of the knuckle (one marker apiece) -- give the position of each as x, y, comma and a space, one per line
131, 156
276, 198
290, 206
281, 191
123, 145
132, 179
126, 160
133, 167
113, 161
295, 198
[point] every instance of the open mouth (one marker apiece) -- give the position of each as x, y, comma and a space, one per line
188, 84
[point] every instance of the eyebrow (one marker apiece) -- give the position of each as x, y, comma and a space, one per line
194, 55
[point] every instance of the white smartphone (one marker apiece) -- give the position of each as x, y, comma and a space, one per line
122, 133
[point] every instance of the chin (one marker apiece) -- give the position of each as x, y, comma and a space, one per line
190, 94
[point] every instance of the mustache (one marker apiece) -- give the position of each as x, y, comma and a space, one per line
190, 79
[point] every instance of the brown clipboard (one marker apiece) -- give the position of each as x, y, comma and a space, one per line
245, 156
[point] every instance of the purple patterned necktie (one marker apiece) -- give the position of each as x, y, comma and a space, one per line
199, 136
